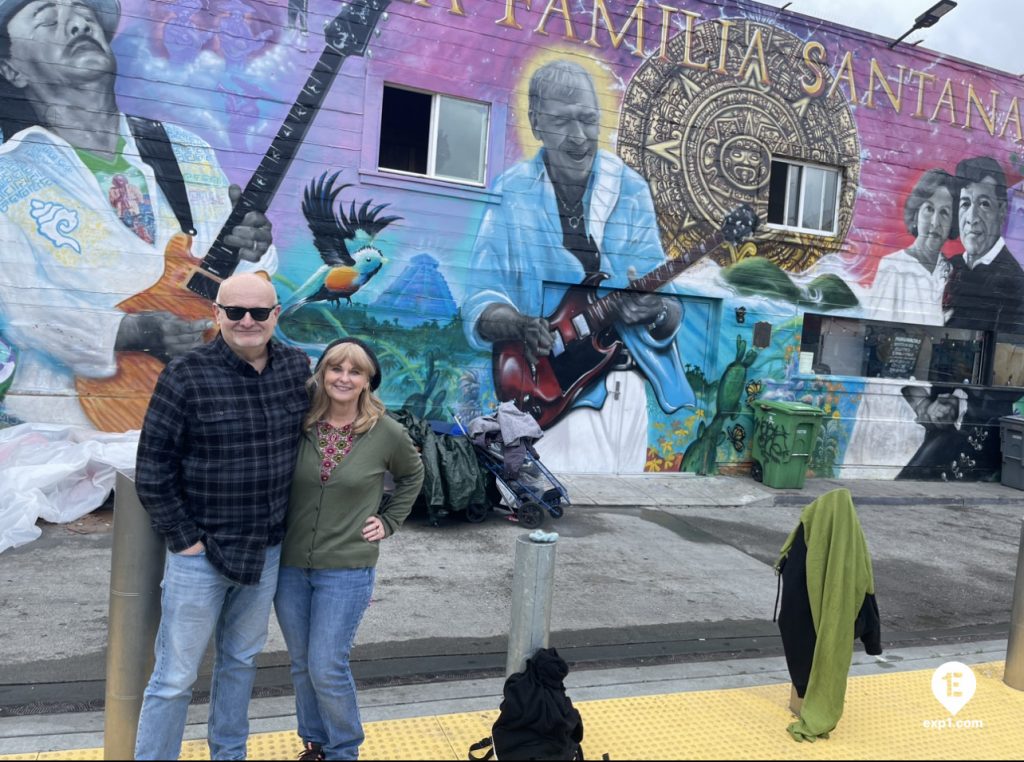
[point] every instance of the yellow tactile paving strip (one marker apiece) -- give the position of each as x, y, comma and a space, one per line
884, 718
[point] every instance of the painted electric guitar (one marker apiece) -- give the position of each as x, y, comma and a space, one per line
585, 340
189, 285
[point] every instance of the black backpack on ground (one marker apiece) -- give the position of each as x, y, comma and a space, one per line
537, 720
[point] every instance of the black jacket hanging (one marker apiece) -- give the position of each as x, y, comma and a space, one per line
796, 626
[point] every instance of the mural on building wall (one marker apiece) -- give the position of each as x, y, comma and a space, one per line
345, 243
704, 131
945, 430
574, 214
631, 143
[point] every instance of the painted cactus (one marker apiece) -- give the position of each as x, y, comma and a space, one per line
701, 455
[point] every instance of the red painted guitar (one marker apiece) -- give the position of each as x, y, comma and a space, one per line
585, 341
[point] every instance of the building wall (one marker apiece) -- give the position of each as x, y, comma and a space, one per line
695, 101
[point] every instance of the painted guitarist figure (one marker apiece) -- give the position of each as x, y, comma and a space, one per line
567, 214
67, 258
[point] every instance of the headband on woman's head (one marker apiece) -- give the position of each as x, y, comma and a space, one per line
375, 379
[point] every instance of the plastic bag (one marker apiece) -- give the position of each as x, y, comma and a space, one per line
56, 473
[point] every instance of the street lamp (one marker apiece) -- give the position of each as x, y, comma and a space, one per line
927, 19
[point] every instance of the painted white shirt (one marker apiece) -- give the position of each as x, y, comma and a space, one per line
905, 292
67, 261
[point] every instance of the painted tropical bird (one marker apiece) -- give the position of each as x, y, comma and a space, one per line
345, 243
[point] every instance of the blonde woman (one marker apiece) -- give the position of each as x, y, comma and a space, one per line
334, 527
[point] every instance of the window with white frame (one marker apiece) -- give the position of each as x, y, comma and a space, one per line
803, 197
433, 135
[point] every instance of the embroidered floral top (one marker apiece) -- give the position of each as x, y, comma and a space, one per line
333, 443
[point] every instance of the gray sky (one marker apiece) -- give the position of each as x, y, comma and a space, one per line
989, 32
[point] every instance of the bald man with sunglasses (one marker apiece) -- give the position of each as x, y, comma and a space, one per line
214, 467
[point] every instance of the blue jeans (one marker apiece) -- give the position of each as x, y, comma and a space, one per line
319, 611
196, 601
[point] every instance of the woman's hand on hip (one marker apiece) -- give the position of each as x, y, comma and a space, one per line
373, 529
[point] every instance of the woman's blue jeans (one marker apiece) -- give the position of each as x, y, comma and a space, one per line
196, 601
319, 611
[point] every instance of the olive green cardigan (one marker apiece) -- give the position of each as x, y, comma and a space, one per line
325, 521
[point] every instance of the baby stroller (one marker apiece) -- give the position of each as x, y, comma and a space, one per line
515, 477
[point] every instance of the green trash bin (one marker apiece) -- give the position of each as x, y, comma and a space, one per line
784, 434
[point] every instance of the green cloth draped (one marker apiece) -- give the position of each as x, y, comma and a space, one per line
838, 577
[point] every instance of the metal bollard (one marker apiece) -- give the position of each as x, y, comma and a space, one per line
136, 570
1013, 672
532, 587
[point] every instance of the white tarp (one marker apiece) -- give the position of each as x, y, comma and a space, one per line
56, 473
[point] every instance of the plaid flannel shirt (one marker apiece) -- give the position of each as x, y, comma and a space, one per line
217, 451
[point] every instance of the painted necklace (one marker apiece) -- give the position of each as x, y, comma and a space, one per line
573, 214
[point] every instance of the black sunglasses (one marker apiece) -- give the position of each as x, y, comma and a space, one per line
259, 314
